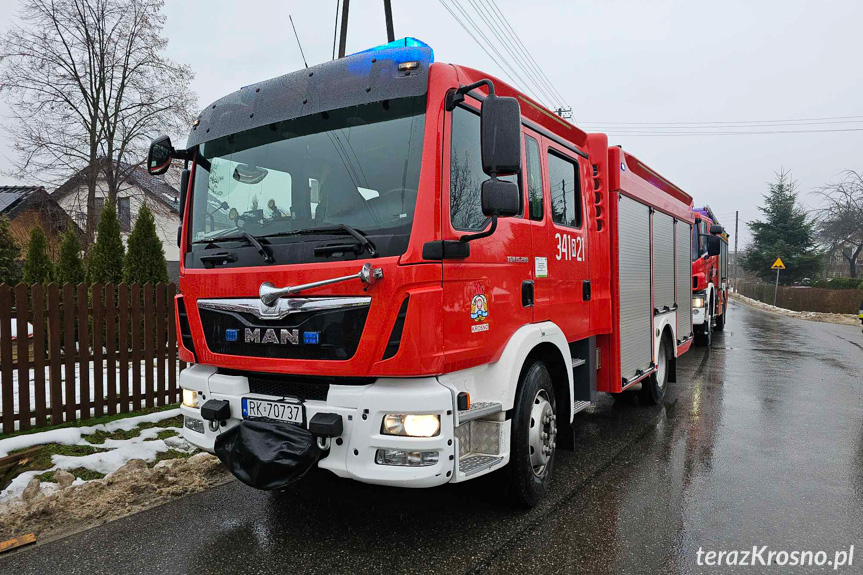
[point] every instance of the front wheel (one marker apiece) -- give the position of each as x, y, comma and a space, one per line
705, 337
534, 433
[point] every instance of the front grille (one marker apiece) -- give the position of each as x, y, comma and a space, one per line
299, 386
335, 333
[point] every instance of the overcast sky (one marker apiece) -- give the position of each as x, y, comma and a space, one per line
613, 61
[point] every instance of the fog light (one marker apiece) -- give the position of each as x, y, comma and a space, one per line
697, 301
411, 425
190, 398
195, 425
402, 458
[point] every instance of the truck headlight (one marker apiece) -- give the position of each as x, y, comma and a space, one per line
190, 398
697, 301
411, 425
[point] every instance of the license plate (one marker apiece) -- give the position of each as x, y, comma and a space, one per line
285, 411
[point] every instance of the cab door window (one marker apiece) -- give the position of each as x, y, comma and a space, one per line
465, 172
534, 178
563, 182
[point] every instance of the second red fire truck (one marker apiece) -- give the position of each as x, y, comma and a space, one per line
409, 273
710, 280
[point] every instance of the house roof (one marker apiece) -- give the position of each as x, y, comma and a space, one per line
11, 196
154, 186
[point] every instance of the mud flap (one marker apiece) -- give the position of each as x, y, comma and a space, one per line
266, 454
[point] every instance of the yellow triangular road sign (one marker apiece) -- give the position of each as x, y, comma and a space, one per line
778, 265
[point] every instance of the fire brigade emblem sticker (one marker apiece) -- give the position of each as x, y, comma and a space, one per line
479, 310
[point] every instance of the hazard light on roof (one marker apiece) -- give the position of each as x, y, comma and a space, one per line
410, 46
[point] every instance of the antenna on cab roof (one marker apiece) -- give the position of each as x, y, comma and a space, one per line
298, 40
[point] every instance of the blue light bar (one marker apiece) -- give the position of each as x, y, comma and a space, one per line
406, 43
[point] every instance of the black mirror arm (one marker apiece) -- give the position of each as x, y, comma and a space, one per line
456, 97
483, 234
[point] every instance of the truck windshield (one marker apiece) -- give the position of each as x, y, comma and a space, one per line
357, 166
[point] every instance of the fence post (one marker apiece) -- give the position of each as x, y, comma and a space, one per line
55, 358
160, 344
83, 352
38, 302
123, 344
110, 346
96, 296
21, 316
136, 347
149, 334
6, 359
69, 350
172, 345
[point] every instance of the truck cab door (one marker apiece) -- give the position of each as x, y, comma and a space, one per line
563, 288
484, 301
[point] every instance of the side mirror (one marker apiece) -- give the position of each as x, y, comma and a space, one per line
159, 156
714, 245
500, 133
500, 198
716, 229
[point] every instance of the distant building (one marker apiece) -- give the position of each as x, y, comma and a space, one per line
837, 264
27, 207
139, 188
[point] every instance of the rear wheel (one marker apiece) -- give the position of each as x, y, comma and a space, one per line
653, 389
534, 433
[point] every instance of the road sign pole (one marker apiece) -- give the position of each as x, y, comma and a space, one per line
776, 288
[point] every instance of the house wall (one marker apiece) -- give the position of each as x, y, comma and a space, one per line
167, 221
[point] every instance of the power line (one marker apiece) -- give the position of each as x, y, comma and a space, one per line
470, 20
456, 18
502, 37
527, 52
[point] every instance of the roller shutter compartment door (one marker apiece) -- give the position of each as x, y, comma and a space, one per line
663, 262
636, 311
683, 237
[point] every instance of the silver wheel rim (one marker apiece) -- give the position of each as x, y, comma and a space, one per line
542, 433
662, 360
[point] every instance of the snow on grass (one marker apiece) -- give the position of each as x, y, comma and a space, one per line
114, 452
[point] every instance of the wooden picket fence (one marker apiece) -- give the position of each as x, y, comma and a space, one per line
122, 336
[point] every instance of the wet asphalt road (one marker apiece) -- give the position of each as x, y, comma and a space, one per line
760, 442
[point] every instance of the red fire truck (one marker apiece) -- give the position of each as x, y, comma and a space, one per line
409, 273
710, 280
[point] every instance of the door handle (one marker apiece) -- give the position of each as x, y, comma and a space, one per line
527, 293
586, 290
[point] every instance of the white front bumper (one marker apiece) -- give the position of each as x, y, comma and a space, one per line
362, 408
698, 315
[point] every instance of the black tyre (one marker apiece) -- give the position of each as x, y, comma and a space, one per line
704, 336
653, 389
719, 321
534, 431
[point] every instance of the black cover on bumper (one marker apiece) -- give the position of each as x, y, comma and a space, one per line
266, 454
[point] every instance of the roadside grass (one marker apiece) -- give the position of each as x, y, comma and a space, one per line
42, 458
79, 472
102, 419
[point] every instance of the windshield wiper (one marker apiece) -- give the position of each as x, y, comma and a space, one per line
342, 229
243, 235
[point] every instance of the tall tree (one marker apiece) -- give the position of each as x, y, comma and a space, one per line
89, 86
145, 261
38, 268
10, 271
840, 224
786, 232
105, 260
70, 266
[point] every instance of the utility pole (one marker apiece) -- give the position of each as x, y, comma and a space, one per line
388, 14
736, 222
343, 38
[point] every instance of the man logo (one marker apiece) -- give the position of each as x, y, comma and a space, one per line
285, 336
